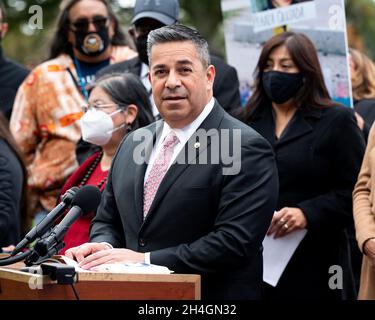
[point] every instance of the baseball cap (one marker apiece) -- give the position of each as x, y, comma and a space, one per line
165, 11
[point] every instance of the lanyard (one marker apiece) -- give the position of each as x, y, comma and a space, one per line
80, 78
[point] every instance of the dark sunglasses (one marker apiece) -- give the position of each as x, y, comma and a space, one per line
83, 24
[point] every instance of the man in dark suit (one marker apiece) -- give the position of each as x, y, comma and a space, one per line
150, 15
184, 205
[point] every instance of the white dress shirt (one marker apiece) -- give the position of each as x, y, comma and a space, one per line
183, 135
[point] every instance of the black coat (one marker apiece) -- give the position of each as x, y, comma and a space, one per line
11, 77
226, 85
201, 221
318, 160
11, 181
366, 109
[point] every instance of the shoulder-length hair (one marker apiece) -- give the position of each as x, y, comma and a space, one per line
125, 89
313, 94
363, 77
6, 135
60, 43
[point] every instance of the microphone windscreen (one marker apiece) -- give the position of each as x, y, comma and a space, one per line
87, 198
69, 195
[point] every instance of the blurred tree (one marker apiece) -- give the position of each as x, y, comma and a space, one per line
31, 46
23, 43
207, 17
361, 25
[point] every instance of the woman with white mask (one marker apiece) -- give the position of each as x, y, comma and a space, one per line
117, 104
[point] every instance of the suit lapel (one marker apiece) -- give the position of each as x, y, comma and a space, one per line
190, 153
299, 126
264, 123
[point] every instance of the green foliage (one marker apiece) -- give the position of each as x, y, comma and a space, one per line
361, 15
30, 47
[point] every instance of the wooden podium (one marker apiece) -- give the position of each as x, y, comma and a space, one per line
18, 285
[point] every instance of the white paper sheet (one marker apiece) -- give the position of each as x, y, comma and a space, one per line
140, 268
277, 253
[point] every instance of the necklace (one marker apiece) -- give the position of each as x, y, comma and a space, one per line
91, 170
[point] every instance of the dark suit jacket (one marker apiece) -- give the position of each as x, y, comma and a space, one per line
201, 221
226, 85
366, 109
11, 181
11, 77
318, 160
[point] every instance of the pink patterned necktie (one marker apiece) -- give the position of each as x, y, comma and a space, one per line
158, 170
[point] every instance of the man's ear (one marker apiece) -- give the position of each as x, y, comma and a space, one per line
4, 29
210, 74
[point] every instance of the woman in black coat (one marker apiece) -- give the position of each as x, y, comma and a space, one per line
319, 149
13, 208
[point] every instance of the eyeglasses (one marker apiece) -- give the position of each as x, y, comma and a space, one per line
99, 107
83, 24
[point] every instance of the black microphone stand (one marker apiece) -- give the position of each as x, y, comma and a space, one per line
43, 251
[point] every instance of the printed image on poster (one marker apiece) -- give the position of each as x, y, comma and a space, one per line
326, 30
269, 14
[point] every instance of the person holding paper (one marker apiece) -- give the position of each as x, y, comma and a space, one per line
319, 149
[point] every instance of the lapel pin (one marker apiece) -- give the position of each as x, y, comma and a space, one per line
197, 145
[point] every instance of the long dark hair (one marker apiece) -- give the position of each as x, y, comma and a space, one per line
6, 135
125, 89
60, 43
313, 94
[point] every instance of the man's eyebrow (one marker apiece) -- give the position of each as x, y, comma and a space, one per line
159, 66
184, 62
179, 62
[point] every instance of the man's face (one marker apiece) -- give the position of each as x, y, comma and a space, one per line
181, 85
139, 33
142, 27
88, 16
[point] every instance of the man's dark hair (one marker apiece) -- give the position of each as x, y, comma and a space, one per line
178, 33
60, 43
125, 89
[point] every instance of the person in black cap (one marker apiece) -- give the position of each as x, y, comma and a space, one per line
152, 14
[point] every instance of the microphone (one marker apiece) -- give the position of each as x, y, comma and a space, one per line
85, 201
42, 227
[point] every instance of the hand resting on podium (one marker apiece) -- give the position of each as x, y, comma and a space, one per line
91, 255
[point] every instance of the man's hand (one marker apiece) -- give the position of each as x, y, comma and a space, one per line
81, 252
111, 256
286, 221
369, 251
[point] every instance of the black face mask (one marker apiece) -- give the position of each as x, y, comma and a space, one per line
281, 86
141, 45
92, 43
